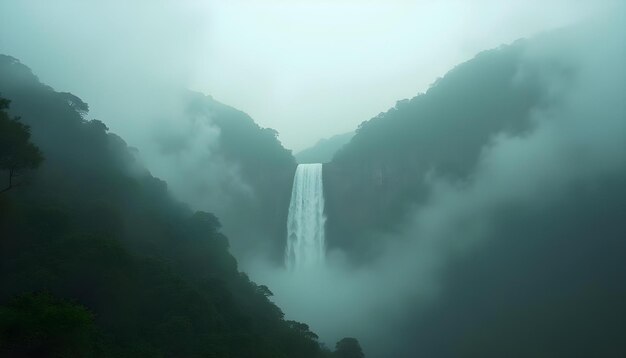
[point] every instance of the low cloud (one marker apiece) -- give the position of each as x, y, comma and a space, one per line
578, 140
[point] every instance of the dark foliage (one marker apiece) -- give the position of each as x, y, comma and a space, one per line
39, 325
95, 228
348, 348
16, 151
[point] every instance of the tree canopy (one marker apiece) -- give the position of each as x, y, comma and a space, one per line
348, 348
16, 151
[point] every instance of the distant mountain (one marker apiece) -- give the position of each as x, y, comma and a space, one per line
324, 150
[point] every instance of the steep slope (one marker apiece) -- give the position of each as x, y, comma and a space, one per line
225, 163
499, 197
324, 150
94, 228
374, 180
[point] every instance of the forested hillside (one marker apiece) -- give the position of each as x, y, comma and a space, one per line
223, 162
505, 183
374, 181
97, 259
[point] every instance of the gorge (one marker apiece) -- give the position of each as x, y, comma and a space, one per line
481, 216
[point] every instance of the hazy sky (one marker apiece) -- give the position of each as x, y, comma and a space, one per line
309, 69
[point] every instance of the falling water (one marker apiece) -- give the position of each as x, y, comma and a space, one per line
305, 223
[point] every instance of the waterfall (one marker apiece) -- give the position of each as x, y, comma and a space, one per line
305, 223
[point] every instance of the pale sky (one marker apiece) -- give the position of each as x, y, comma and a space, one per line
309, 69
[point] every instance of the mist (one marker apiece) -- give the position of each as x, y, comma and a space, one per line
456, 233
134, 63
576, 141
240, 53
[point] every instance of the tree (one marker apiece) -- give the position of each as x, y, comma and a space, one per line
41, 325
348, 348
16, 151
